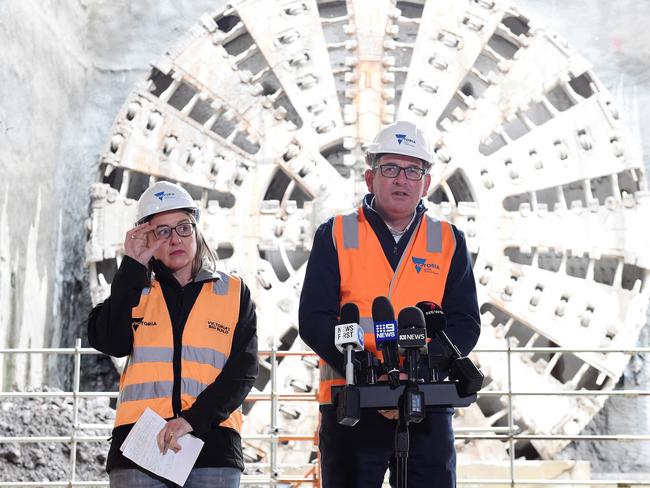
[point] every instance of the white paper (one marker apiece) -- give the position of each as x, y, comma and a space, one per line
141, 447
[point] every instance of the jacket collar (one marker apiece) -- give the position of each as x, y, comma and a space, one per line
207, 275
369, 200
163, 273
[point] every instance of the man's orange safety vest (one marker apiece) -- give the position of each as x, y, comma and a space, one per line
148, 377
366, 274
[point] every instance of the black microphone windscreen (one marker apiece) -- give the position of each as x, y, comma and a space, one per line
433, 315
349, 313
410, 317
382, 310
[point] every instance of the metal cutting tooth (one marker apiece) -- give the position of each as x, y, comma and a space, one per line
263, 111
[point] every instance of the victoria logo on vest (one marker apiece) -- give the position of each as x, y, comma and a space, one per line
138, 321
421, 264
224, 329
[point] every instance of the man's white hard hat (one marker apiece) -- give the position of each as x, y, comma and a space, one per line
405, 138
163, 196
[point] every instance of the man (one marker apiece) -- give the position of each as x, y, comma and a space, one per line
388, 247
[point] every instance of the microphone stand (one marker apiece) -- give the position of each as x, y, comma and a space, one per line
402, 440
410, 398
410, 409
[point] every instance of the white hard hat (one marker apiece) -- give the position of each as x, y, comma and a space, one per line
402, 137
163, 196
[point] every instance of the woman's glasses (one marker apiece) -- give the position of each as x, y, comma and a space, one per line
184, 229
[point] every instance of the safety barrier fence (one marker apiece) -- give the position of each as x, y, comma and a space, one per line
275, 477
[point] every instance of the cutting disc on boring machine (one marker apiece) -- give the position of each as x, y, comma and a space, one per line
263, 111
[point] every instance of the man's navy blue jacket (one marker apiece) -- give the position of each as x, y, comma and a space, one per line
319, 300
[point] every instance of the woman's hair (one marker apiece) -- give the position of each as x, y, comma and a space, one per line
205, 257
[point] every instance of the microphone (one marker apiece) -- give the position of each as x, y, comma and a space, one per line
412, 329
348, 337
412, 336
370, 364
383, 318
436, 323
470, 378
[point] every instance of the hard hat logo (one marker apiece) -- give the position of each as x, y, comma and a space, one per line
402, 138
161, 195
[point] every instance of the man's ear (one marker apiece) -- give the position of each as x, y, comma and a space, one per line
369, 176
427, 182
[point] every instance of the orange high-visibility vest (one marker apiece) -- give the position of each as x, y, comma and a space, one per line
148, 377
366, 274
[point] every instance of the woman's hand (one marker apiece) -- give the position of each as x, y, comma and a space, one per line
172, 431
135, 243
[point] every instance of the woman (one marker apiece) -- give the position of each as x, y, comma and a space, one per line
190, 336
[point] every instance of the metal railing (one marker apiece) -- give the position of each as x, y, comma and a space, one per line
275, 476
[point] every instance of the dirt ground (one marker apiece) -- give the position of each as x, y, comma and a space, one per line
50, 461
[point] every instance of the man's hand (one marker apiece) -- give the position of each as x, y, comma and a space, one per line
172, 431
390, 414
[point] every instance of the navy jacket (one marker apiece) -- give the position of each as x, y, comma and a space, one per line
319, 300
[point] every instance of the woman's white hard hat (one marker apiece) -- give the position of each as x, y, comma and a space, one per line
405, 138
163, 196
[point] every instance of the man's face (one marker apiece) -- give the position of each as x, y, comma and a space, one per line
396, 198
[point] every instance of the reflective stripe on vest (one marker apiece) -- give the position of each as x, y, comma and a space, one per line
366, 274
145, 391
148, 378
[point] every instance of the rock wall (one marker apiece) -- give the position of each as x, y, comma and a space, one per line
45, 70
67, 68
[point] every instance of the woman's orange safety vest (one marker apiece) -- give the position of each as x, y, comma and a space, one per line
148, 377
366, 274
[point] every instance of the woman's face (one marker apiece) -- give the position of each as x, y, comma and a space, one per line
177, 252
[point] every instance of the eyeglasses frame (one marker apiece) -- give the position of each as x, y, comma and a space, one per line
381, 167
173, 229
